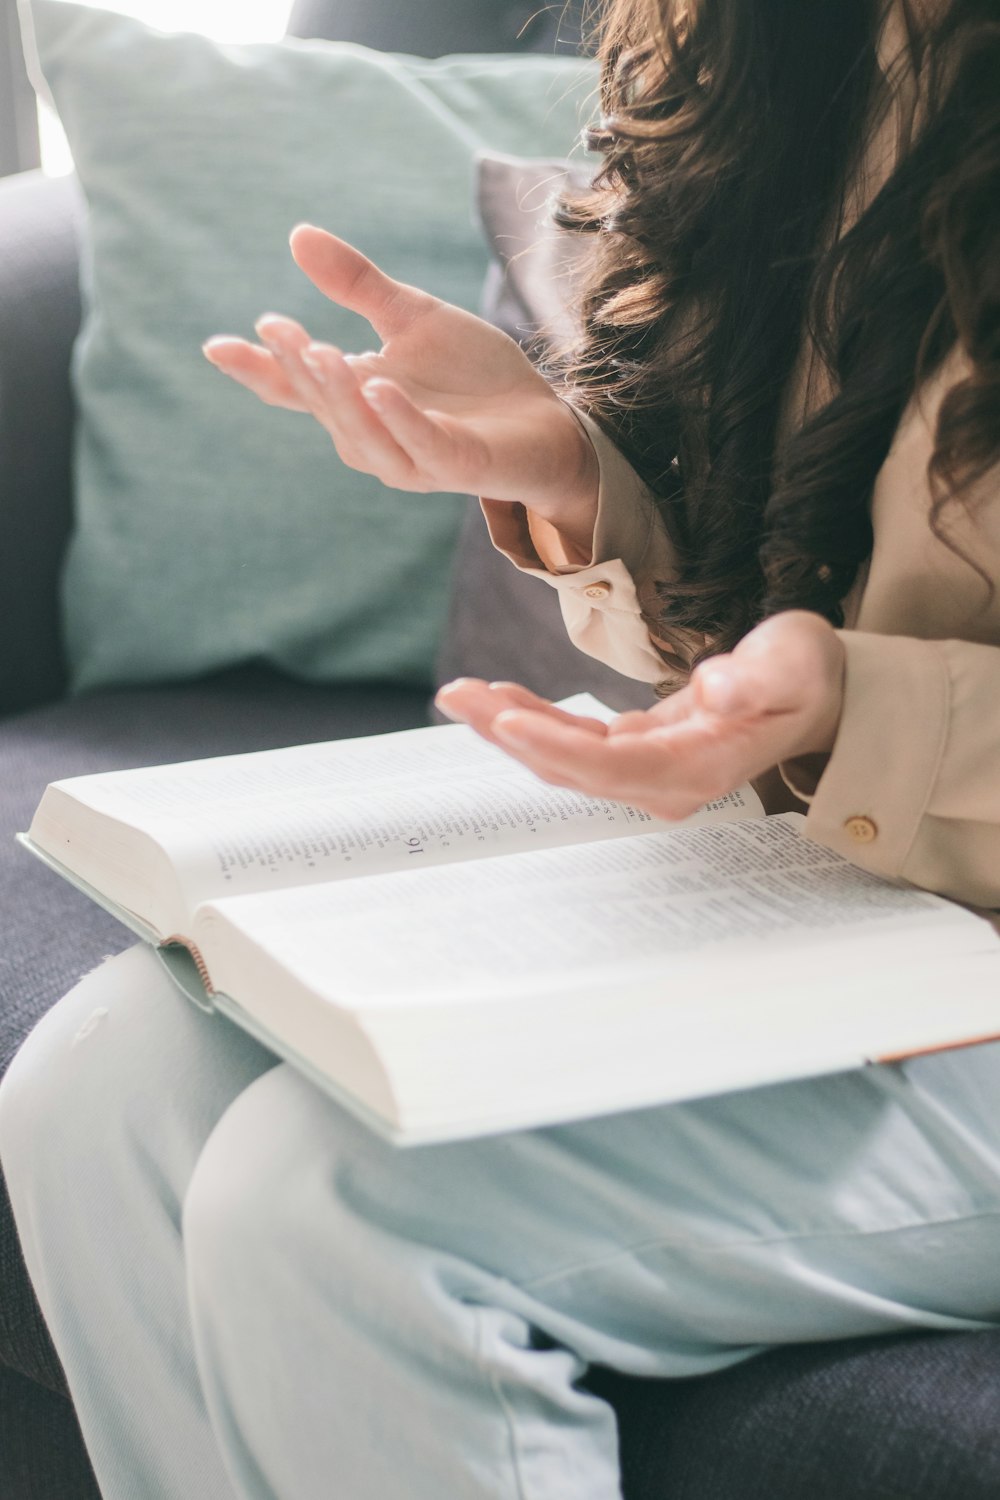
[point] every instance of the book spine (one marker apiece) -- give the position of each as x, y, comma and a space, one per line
185, 963
176, 941
898, 1057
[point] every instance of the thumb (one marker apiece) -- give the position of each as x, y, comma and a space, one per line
353, 281
777, 668
723, 688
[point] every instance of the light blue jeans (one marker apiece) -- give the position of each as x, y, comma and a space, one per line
254, 1297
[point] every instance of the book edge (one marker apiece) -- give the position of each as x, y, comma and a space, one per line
129, 919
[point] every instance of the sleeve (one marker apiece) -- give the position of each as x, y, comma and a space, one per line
911, 789
608, 599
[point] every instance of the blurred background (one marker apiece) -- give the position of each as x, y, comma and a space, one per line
31, 136
28, 139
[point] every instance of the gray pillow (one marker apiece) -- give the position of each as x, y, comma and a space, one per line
529, 286
504, 625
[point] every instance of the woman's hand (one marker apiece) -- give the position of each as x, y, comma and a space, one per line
778, 695
448, 402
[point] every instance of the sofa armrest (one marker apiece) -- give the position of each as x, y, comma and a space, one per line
39, 318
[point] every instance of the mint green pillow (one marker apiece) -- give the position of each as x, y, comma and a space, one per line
210, 529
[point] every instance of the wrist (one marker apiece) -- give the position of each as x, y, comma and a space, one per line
821, 730
570, 505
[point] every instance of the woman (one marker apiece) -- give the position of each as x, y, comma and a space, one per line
784, 411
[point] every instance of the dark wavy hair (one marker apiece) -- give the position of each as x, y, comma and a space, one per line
729, 131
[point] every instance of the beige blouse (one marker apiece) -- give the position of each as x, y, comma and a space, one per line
912, 787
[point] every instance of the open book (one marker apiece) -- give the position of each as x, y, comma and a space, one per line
451, 947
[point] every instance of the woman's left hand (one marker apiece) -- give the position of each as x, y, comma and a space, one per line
778, 695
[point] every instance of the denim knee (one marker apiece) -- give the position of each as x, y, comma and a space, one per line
55, 1078
242, 1192
95, 1080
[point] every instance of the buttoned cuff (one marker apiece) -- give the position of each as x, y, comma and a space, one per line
599, 595
870, 799
623, 529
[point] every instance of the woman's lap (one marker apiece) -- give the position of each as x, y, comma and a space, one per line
669, 1241
677, 1238
824, 1162
103, 1115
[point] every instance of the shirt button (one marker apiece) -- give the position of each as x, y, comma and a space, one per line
861, 829
598, 590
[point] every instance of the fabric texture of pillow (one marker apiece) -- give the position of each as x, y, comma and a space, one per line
209, 529
530, 286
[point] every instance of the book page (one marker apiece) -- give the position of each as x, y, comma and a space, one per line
317, 813
187, 788
380, 828
579, 915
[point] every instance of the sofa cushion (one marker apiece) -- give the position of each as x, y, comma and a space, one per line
910, 1417
210, 529
42, 1456
39, 317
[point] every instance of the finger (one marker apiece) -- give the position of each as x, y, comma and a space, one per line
474, 695
468, 700
437, 447
286, 339
564, 769
704, 755
611, 767
660, 715
470, 697
514, 695
644, 773
747, 691
636, 721
769, 672
320, 376
255, 368
734, 690
361, 439
353, 281
670, 772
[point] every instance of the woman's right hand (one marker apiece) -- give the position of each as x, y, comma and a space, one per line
448, 402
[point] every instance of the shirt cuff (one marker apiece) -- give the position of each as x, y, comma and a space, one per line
874, 791
624, 525
601, 596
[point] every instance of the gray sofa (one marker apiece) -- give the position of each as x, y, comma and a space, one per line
910, 1418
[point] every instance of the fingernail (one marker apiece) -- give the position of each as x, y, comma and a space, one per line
516, 691
219, 341
718, 691
269, 330
373, 397
314, 364
441, 703
507, 727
